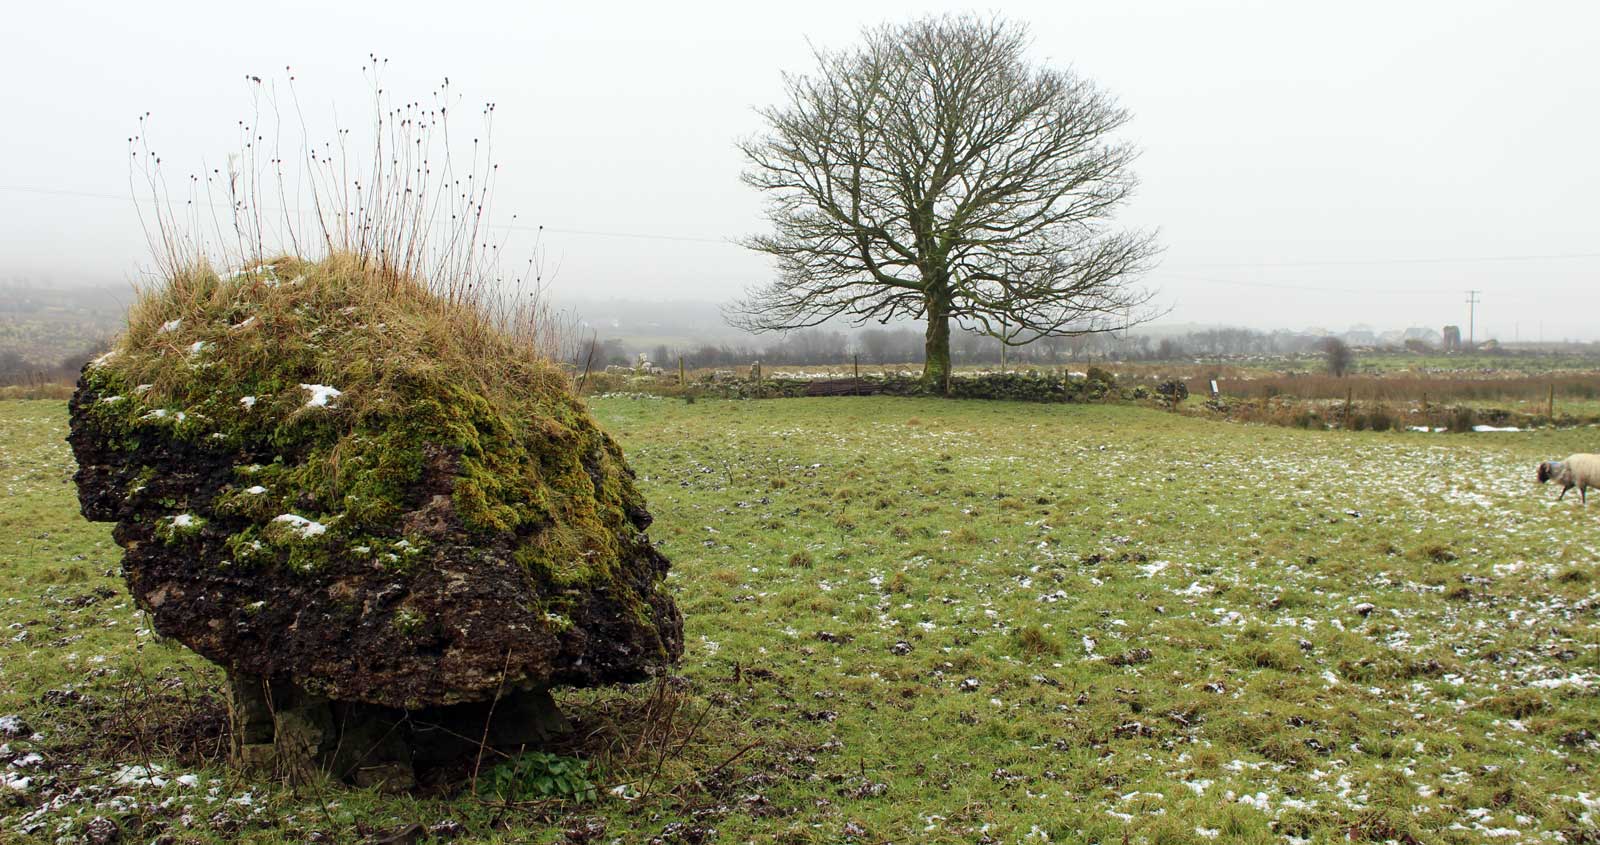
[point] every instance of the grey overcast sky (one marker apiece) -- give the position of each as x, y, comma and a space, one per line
1308, 164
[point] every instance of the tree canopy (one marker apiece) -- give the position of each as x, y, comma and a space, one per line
934, 173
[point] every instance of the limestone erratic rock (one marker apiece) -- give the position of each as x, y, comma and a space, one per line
331, 479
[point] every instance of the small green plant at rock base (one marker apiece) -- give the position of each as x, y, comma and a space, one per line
538, 774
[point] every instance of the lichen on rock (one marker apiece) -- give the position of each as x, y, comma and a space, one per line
330, 476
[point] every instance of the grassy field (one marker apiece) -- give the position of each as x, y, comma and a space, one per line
926, 621
1530, 364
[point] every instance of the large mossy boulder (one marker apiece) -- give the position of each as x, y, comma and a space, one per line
346, 488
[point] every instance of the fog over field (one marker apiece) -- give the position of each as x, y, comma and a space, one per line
1361, 164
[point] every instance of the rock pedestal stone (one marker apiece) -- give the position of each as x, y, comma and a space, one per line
287, 733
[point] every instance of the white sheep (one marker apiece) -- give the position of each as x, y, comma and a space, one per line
1581, 471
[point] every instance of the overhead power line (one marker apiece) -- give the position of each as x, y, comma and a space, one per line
1479, 259
1295, 286
512, 226
1374, 287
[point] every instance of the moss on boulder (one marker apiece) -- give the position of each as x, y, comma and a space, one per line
330, 476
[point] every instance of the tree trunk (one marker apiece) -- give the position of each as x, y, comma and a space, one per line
936, 345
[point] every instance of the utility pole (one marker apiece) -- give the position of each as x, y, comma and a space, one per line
1472, 318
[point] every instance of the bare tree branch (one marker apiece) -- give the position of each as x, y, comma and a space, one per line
933, 173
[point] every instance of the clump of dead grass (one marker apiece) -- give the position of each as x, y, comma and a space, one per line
344, 317
407, 218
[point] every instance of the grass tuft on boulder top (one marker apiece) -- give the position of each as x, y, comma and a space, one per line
329, 426
362, 367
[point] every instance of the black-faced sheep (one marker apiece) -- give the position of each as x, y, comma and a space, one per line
1580, 471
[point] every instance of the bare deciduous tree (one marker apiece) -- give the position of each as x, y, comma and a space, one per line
1338, 356
934, 173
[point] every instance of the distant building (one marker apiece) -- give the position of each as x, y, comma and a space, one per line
1424, 334
1452, 339
1360, 337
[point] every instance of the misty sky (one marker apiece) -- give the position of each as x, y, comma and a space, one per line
1306, 164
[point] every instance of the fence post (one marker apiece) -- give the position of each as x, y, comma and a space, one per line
1552, 406
858, 366
1349, 394
587, 361
680, 371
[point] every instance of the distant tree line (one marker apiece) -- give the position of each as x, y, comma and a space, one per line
905, 345
16, 369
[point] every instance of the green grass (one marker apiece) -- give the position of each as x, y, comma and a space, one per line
936, 621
